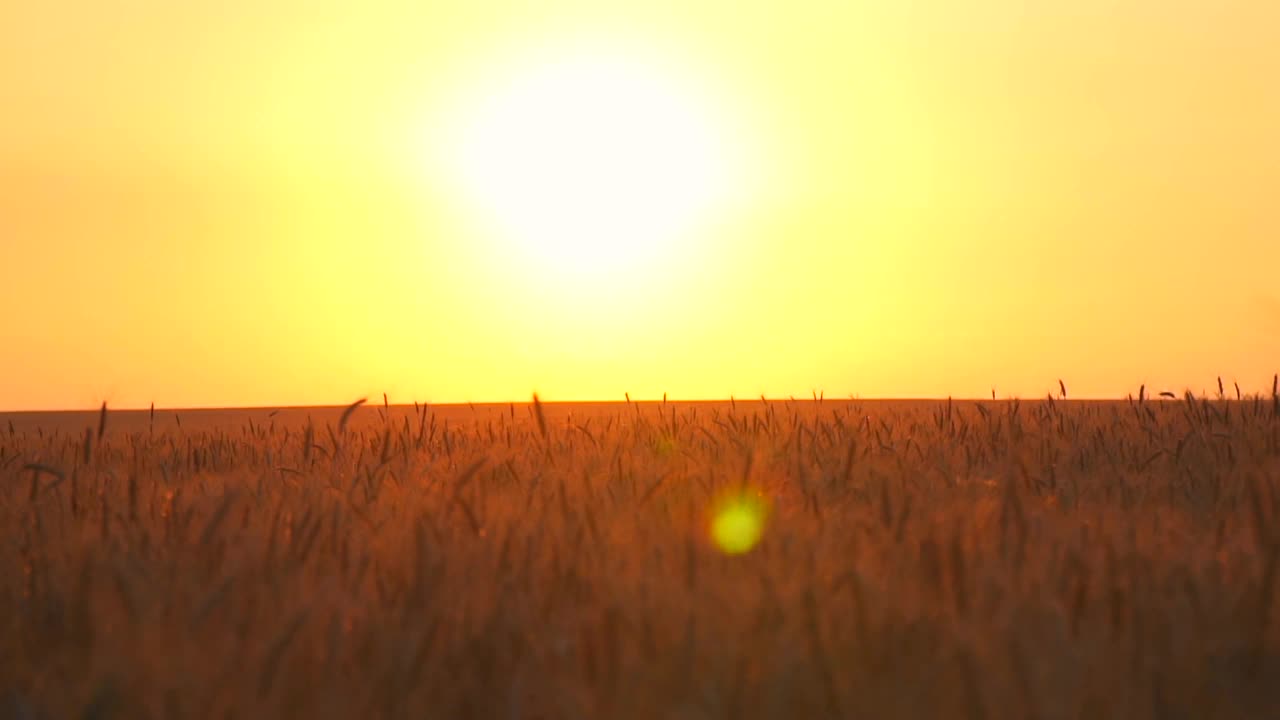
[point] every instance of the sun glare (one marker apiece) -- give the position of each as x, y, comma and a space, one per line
590, 161
737, 523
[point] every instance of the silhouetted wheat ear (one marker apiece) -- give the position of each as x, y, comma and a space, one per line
88, 446
346, 414
537, 413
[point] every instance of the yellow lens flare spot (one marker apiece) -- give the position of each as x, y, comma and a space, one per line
738, 523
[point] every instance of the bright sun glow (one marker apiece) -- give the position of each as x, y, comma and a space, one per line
738, 523
590, 161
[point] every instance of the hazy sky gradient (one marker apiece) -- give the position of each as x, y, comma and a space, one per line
224, 203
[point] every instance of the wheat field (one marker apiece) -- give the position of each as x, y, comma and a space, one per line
1006, 559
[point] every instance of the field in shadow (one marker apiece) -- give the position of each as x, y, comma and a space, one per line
1045, 559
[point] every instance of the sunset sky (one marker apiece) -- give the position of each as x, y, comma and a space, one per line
261, 203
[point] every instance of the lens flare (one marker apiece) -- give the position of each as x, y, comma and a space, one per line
738, 523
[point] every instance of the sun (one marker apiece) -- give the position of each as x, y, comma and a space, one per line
590, 160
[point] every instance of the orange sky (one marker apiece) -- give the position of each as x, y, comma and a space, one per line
229, 204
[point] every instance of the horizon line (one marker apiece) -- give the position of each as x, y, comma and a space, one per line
626, 401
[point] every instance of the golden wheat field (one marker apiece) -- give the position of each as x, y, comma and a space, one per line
1005, 559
